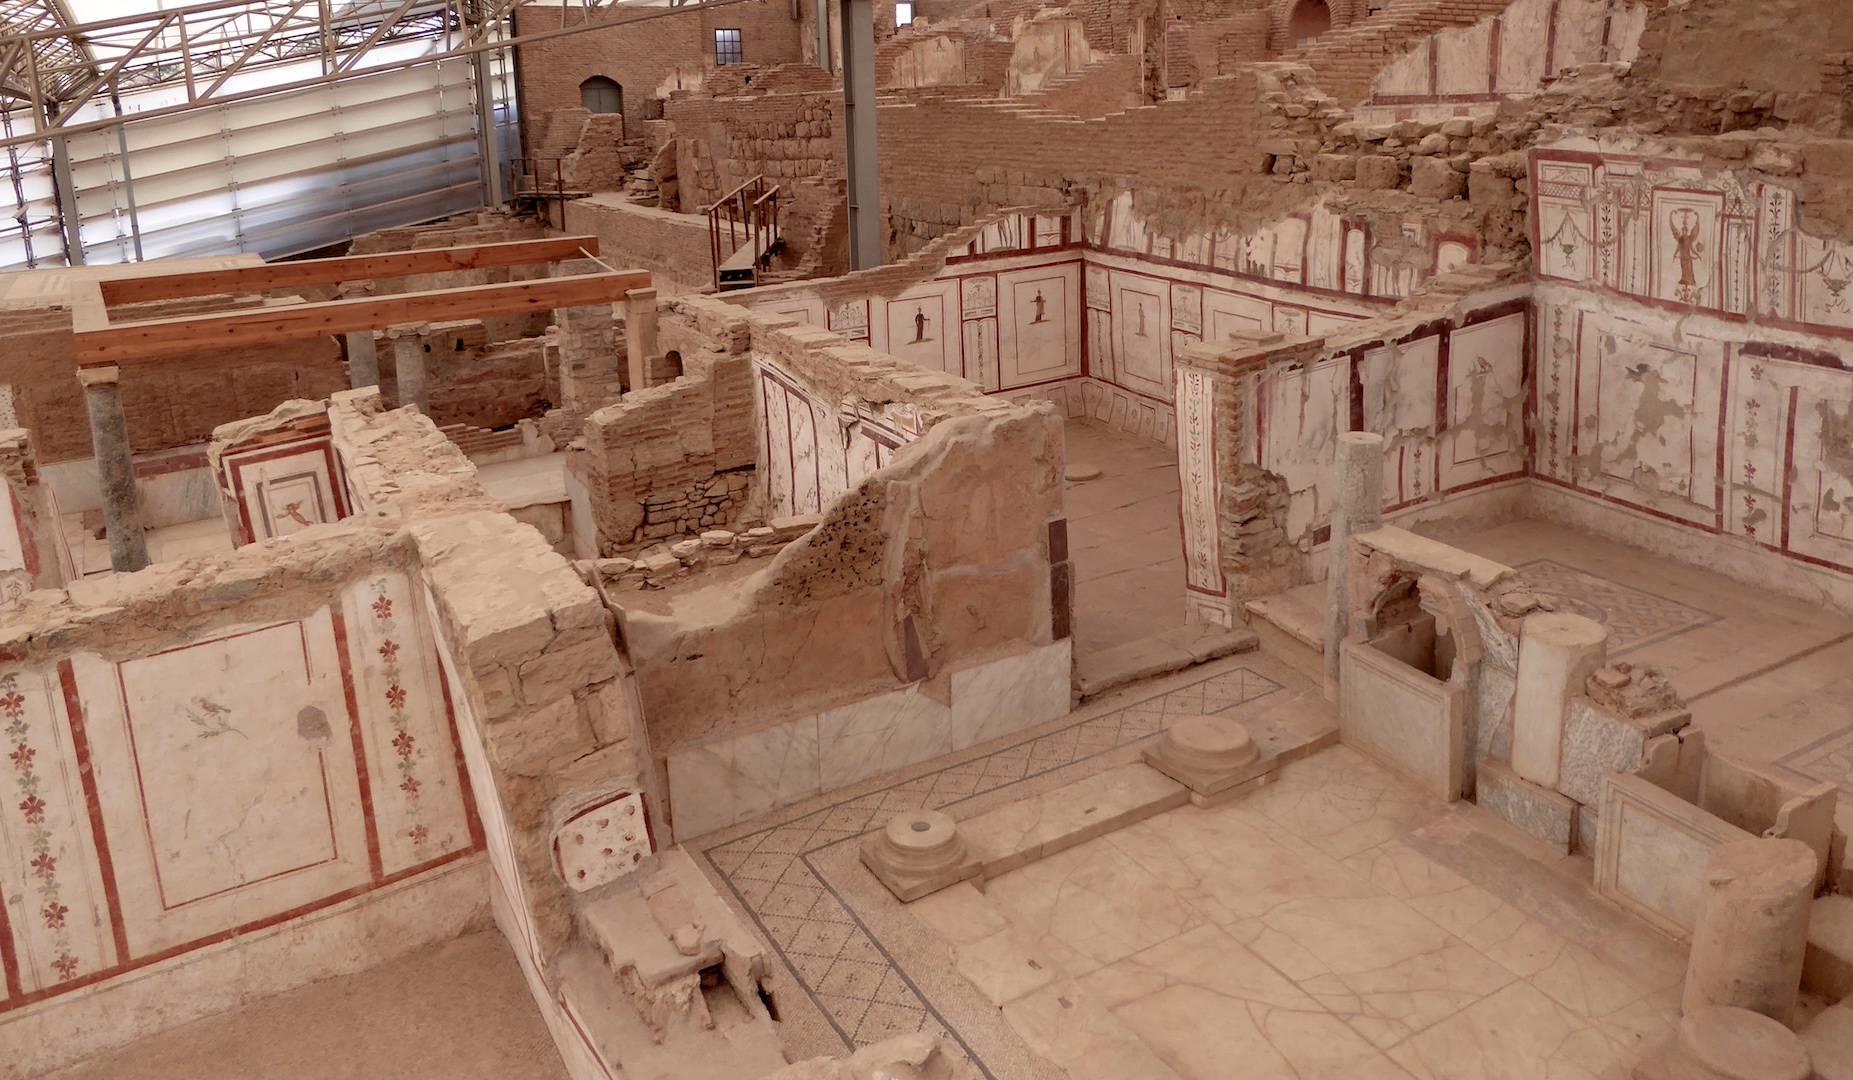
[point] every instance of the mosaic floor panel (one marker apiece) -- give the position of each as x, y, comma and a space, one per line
839, 964
1634, 617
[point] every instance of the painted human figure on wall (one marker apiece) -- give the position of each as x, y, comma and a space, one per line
1685, 227
1141, 309
1040, 303
920, 325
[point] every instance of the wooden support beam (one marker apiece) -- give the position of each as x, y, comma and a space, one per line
126, 343
287, 275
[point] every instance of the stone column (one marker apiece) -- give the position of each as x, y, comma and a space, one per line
109, 435
408, 357
363, 360
1557, 652
1357, 507
1752, 928
639, 335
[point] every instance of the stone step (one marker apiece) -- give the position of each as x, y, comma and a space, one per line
1161, 654
1291, 626
1013, 836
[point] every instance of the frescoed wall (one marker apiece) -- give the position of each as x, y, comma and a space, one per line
810, 452
1659, 229
1092, 320
1258, 421
278, 474
161, 801
1654, 404
1466, 71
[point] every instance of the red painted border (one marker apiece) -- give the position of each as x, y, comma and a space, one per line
478, 837
375, 864
106, 866
9, 958
1788, 471
237, 931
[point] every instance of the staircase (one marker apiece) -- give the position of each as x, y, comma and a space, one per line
1105, 84
1347, 59
743, 234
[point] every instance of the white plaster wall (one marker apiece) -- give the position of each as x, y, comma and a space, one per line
231, 783
737, 779
173, 498
1467, 70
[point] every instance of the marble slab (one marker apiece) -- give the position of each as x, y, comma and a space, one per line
1651, 851
1596, 741
1018, 834
1542, 813
1405, 718
1005, 696
732, 780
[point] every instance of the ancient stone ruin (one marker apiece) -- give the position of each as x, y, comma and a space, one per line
929, 540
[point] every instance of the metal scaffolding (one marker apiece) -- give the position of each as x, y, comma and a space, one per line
64, 85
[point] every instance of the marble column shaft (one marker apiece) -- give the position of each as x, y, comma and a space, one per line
1752, 930
109, 435
410, 342
1557, 653
363, 360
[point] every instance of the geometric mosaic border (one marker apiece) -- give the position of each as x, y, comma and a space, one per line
846, 972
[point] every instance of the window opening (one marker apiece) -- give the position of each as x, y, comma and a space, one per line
727, 47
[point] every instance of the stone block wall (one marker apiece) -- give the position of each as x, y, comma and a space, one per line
663, 461
786, 136
528, 650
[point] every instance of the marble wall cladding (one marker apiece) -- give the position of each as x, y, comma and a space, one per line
1595, 742
1403, 717
1651, 851
734, 780
1538, 811
1490, 719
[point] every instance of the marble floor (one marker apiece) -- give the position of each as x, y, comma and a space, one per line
1336, 924
1766, 675
458, 1010
1125, 538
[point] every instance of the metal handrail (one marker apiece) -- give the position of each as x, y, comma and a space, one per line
532, 169
754, 204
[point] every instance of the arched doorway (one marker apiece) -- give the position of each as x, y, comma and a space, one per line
601, 95
1310, 18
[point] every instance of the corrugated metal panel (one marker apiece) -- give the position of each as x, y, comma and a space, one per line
274, 176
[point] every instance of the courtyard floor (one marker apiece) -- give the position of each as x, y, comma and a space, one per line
1125, 539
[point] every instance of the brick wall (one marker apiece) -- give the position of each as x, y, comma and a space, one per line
783, 136
638, 57
672, 460
170, 402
